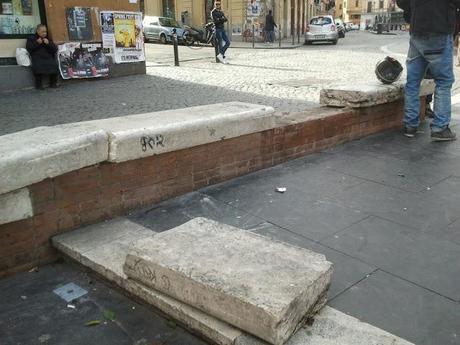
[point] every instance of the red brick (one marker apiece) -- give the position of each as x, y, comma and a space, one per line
69, 218
42, 191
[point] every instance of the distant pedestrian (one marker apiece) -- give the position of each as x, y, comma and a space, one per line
432, 25
219, 19
43, 53
270, 27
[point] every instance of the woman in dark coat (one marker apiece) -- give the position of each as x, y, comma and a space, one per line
43, 52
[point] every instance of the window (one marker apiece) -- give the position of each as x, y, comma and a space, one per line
381, 4
19, 18
369, 7
321, 21
357, 3
340, 6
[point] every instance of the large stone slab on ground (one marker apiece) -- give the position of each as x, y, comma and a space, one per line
262, 286
143, 135
15, 206
33, 155
368, 94
103, 247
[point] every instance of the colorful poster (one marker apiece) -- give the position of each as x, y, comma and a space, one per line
122, 35
82, 60
79, 24
253, 8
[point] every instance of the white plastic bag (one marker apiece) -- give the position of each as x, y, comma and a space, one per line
23, 57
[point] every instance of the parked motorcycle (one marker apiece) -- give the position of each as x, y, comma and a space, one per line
194, 36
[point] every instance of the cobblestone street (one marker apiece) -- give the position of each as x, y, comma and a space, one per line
287, 79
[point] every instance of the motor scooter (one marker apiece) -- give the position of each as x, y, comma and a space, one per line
194, 36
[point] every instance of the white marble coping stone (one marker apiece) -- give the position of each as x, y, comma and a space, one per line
136, 136
362, 95
15, 206
33, 155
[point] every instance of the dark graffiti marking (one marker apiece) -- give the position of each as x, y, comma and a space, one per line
152, 142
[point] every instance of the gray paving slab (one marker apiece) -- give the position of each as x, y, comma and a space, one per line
402, 308
415, 210
31, 313
347, 270
406, 253
305, 214
179, 210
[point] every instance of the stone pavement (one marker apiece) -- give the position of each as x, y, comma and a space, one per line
287, 79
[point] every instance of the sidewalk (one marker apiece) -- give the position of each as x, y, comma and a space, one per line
383, 209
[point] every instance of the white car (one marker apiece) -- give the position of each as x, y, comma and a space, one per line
322, 29
161, 29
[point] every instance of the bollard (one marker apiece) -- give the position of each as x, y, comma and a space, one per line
279, 38
176, 48
253, 37
216, 46
293, 38
298, 37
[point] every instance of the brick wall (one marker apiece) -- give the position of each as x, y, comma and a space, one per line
107, 190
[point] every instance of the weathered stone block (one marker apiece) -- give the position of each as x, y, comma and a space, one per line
15, 206
103, 247
143, 135
368, 94
256, 284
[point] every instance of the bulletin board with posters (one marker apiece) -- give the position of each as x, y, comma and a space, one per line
57, 21
122, 35
19, 17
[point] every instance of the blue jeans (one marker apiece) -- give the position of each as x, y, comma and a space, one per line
221, 36
433, 51
270, 36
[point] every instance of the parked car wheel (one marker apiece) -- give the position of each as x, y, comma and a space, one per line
163, 38
341, 34
334, 42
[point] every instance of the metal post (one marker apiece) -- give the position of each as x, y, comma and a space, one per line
176, 48
293, 38
298, 37
279, 37
216, 45
253, 36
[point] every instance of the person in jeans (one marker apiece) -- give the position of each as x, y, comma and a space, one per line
219, 19
43, 53
270, 28
432, 25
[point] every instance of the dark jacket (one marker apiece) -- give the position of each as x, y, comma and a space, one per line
430, 16
269, 23
218, 17
43, 56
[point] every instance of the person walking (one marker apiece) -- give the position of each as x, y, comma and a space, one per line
432, 25
219, 19
270, 27
43, 53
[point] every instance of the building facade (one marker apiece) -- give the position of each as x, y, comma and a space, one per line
291, 16
382, 12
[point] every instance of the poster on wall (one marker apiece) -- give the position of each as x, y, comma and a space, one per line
18, 17
108, 30
253, 8
122, 35
79, 24
82, 60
